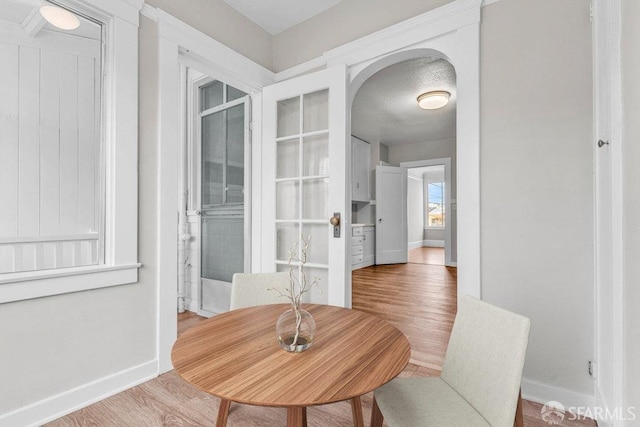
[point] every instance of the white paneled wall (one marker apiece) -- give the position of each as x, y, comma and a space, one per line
50, 182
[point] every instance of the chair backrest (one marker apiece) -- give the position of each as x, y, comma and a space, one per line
250, 289
485, 358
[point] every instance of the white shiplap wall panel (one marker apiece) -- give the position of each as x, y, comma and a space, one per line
87, 145
29, 165
69, 144
49, 143
49, 152
8, 142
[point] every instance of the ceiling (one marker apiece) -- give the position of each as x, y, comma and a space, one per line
276, 16
386, 110
24, 13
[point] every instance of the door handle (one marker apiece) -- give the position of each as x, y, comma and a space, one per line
379, 219
335, 221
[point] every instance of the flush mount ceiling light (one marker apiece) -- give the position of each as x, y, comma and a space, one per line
433, 100
60, 17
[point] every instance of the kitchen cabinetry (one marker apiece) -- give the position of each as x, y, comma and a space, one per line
360, 170
362, 246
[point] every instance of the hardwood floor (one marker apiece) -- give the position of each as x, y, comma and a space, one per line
427, 255
419, 299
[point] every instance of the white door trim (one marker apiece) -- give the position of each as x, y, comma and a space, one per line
453, 33
608, 199
447, 197
219, 62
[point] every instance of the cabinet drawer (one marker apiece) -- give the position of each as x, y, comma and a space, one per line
356, 250
357, 259
357, 240
357, 231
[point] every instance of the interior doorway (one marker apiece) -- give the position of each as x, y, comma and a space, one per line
402, 136
215, 212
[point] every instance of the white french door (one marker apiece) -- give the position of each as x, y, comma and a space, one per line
304, 177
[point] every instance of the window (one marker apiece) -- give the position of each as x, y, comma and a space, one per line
51, 160
435, 204
68, 148
435, 215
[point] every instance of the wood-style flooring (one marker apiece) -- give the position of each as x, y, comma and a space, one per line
427, 255
418, 298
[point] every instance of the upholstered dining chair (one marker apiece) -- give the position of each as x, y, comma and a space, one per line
480, 380
251, 289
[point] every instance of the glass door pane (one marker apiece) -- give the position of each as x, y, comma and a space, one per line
213, 153
302, 176
222, 244
235, 155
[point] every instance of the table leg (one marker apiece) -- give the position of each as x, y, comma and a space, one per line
376, 415
356, 409
223, 413
297, 416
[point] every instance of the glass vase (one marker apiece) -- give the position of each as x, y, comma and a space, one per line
295, 330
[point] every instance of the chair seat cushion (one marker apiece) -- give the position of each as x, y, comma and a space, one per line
429, 401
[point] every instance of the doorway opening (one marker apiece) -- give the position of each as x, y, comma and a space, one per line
215, 212
411, 203
431, 212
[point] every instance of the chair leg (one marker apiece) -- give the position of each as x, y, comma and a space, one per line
376, 415
519, 421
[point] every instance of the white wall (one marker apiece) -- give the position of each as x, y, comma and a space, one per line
631, 149
76, 340
537, 180
415, 211
66, 341
345, 22
220, 21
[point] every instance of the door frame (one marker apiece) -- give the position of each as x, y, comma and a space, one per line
450, 32
175, 40
446, 162
609, 342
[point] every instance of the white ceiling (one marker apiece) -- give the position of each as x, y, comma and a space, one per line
386, 110
276, 16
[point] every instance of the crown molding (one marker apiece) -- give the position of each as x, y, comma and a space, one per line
195, 43
449, 17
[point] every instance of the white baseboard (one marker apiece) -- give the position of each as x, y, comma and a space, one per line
54, 407
543, 393
433, 243
416, 244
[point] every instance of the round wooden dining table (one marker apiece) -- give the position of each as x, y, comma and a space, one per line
236, 357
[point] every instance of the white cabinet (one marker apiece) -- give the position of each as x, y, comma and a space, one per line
369, 245
362, 246
360, 170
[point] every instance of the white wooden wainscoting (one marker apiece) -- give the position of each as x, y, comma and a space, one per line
50, 152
